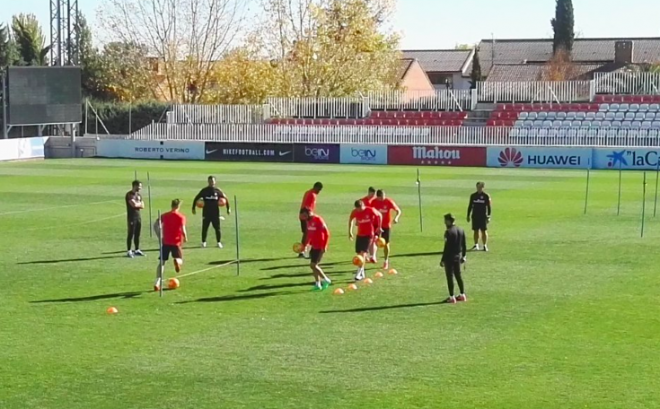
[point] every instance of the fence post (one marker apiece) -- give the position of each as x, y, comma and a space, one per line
474, 95
592, 90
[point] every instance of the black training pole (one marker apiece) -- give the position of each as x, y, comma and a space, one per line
151, 234
643, 203
160, 252
586, 192
238, 238
657, 174
419, 199
135, 174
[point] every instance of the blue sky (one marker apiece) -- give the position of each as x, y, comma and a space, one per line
442, 23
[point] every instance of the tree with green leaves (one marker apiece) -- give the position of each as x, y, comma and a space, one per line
7, 47
475, 75
29, 39
90, 62
128, 73
563, 26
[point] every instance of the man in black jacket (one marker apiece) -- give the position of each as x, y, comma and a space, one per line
212, 197
453, 256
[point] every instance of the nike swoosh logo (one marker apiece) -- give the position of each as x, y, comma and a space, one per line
208, 152
285, 153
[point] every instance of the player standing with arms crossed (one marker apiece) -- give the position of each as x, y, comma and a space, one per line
453, 256
478, 212
369, 227
385, 206
134, 204
318, 237
173, 235
308, 202
211, 211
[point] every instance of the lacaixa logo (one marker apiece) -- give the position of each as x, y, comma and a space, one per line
510, 157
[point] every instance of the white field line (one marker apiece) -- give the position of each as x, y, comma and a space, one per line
204, 270
55, 207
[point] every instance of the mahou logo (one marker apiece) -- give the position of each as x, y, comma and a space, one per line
510, 157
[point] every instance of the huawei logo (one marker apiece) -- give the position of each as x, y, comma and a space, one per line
510, 157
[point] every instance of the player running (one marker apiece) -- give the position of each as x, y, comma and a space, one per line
134, 204
174, 234
385, 206
318, 236
369, 225
453, 255
368, 200
478, 212
308, 202
211, 212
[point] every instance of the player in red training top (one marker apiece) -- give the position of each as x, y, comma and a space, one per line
173, 227
318, 237
385, 206
368, 200
308, 202
368, 222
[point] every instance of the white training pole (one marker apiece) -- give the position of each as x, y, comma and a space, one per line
149, 195
160, 251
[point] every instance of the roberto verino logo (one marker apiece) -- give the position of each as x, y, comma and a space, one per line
510, 157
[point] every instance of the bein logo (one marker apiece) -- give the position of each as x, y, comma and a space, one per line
365, 155
510, 157
319, 154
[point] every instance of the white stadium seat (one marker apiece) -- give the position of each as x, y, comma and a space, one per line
656, 125
626, 125
644, 108
640, 116
654, 108
538, 124
646, 125
614, 107
591, 115
543, 133
532, 116
630, 116
515, 132
570, 116
624, 108
596, 124
610, 116
604, 107
547, 124
636, 124
634, 107
567, 124
556, 124
616, 124
552, 116
561, 115
534, 132
619, 116
606, 124
650, 116
653, 133
542, 116
524, 132
600, 115
528, 124
580, 115
523, 116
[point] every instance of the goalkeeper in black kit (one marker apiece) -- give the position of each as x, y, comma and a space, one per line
479, 214
213, 198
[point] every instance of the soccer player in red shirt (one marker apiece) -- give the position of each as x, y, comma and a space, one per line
368, 222
318, 237
368, 200
308, 202
385, 206
173, 227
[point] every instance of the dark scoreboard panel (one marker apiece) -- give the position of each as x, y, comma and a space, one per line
44, 95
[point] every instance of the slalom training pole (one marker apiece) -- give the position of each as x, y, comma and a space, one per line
151, 233
618, 206
238, 238
657, 174
418, 182
160, 251
586, 193
643, 203
135, 174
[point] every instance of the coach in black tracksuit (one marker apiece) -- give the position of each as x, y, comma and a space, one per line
453, 256
211, 213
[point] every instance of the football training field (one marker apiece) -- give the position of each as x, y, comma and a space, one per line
562, 312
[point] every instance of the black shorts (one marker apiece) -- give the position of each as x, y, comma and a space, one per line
386, 235
362, 244
479, 223
167, 249
453, 268
315, 256
303, 226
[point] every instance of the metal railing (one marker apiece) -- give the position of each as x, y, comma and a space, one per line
217, 114
536, 91
350, 107
421, 100
627, 83
399, 135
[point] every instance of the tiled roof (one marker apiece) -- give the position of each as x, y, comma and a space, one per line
439, 60
535, 72
404, 66
586, 50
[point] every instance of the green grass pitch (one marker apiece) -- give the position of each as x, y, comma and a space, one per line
563, 312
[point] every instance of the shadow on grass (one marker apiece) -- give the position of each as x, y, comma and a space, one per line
307, 274
383, 308
304, 263
408, 255
229, 298
247, 261
126, 295
66, 260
